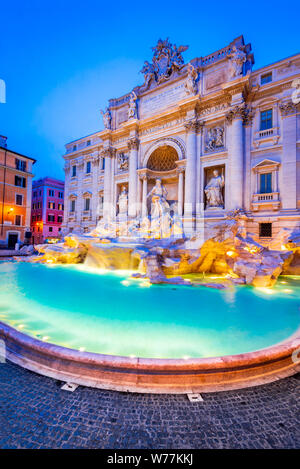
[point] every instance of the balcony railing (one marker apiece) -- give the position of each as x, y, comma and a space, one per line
266, 135
261, 200
86, 214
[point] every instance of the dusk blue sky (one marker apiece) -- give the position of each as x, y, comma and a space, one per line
63, 60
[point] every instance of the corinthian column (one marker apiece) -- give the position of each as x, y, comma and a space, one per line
107, 203
190, 176
289, 156
234, 119
133, 146
180, 191
144, 199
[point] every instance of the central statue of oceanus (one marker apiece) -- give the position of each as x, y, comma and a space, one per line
160, 211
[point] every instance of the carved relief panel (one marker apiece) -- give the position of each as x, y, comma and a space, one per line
214, 138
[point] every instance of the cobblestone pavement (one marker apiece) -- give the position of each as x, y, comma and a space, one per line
36, 413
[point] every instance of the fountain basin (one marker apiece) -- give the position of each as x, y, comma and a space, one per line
184, 339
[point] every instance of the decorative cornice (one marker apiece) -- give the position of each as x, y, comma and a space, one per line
133, 143
288, 108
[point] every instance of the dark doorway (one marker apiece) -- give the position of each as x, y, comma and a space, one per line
12, 240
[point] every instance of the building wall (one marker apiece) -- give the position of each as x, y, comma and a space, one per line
41, 227
9, 209
236, 105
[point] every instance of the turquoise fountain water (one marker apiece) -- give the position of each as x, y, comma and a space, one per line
111, 313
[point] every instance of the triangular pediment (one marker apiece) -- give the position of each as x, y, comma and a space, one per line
267, 162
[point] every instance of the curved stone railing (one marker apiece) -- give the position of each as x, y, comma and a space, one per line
152, 375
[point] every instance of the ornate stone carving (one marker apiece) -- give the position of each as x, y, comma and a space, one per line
287, 108
122, 162
215, 139
108, 152
213, 191
237, 57
106, 118
192, 125
133, 143
237, 112
167, 58
132, 110
190, 84
249, 114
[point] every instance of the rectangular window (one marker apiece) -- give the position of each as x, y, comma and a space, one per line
74, 147
59, 219
20, 181
51, 205
34, 194
18, 220
20, 165
60, 207
266, 119
50, 229
87, 204
266, 78
265, 183
73, 171
19, 199
60, 195
88, 167
51, 218
33, 218
51, 193
88, 143
72, 205
265, 230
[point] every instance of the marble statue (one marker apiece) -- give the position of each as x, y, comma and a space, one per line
160, 211
213, 190
296, 92
123, 201
237, 57
190, 84
106, 118
215, 138
132, 111
149, 73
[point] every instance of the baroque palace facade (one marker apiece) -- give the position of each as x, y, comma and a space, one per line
210, 136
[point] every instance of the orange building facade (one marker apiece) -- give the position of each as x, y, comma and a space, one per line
15, 196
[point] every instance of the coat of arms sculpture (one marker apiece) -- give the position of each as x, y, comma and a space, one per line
167, 59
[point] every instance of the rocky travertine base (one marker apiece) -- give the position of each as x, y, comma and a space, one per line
227, 250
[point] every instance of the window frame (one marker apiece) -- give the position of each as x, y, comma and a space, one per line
22, 199
263, 76
263, 122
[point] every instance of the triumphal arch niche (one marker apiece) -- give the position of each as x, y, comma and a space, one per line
166, 143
